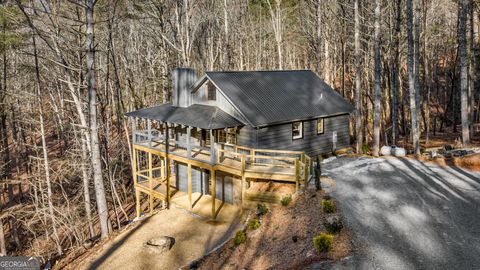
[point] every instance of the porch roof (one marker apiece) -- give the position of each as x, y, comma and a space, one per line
196, 115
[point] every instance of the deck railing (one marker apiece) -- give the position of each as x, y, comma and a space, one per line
295, 163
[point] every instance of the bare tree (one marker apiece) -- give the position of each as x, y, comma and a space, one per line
378, 81
92, 101
462, 47
358, 80
411, 79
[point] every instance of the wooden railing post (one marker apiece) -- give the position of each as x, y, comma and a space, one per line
297, 177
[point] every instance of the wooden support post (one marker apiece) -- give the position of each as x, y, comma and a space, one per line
252, 152
305, 175
212, 147
189, 146
213, 192
297, 177
243, 179
167, 165
137, 197
162, 169
150, 182
189, 176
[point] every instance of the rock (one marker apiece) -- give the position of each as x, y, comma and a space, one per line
399, 152
88, 243
386, 151
327, 197
159, 244
294, 238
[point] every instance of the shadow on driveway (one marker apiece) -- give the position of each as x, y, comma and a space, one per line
407, 214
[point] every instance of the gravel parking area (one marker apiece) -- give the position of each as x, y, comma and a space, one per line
407, 214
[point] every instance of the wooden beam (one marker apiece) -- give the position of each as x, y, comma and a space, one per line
213, 192
189, 176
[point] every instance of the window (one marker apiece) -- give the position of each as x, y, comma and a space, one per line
227, 136
211, 91
297, 130
320, 126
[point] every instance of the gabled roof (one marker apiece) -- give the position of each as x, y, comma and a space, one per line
271, 97
196, 115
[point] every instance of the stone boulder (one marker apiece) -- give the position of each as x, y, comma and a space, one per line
159, 244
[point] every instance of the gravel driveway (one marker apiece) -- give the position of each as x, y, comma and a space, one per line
407, 214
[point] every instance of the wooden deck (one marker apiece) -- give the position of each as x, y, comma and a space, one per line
152, 177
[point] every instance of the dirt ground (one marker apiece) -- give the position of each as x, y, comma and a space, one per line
194, 237
272, 246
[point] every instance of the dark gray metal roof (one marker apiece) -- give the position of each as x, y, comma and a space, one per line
269, 97
196, 115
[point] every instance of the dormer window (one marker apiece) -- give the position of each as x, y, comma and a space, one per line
211, 91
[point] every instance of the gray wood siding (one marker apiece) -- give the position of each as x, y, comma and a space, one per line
280, 136
247, 136
200, 97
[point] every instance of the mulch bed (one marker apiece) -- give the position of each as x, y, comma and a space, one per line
284, 239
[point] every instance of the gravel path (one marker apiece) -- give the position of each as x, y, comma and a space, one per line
407, 214
194, 237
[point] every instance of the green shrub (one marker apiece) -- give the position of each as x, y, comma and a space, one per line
286, 200
261, 209
328, 206
239, 238
323, 242
253, 224
333, 224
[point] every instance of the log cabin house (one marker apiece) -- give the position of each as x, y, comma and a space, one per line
227, 129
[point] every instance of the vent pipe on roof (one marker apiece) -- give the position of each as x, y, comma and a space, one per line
183, 79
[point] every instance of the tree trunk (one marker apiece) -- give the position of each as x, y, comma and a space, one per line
395, 65
3, 248
358, 81
473, 75
378, 82
462, 43
411, 80
92, 102
45, 152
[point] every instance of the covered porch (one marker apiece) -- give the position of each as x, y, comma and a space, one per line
197, 144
